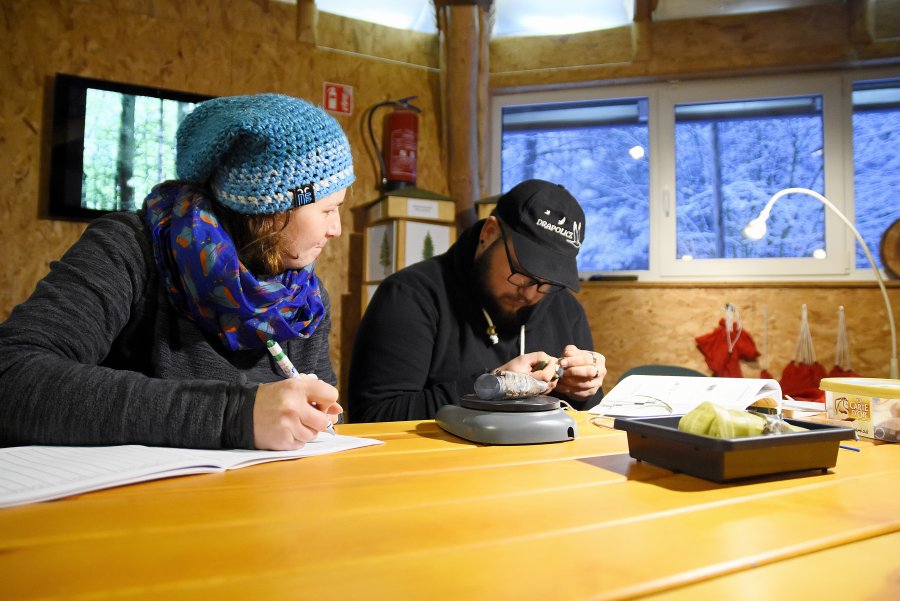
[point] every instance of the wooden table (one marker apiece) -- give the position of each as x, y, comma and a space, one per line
430, 516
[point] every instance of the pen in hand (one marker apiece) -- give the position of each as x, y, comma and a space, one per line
289, 371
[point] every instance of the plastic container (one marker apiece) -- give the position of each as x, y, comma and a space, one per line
658, 440
869, 405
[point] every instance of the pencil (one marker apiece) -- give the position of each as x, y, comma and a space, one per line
289, 371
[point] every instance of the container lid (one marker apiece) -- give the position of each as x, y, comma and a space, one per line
873, 387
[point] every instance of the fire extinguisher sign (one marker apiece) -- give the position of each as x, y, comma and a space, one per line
337, 98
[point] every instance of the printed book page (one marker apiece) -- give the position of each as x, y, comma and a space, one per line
40, 473
645, 396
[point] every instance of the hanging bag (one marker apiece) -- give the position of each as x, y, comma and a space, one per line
800, 378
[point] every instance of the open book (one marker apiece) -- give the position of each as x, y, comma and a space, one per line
40, 473
676, 395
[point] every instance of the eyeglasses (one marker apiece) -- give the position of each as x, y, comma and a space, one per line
523, 280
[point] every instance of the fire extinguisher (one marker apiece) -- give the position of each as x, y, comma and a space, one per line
400, 138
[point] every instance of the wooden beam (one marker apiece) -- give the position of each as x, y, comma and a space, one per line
643, 10
484, 102
461, 80
859, 20
642, 31
483, 4
307, 21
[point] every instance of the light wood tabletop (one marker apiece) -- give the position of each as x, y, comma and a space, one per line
430, 516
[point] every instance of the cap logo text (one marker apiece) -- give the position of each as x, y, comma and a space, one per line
572, 236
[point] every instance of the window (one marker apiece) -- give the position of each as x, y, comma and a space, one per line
670, 173
571, 144
730, 156
876, 161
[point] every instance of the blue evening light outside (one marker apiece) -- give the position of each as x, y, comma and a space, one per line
876, 152
600, 154
730, 158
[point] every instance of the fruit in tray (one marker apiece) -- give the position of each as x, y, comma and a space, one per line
709, 419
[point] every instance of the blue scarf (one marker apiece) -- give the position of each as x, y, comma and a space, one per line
207, 282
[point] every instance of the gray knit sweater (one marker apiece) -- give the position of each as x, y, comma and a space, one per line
98, 356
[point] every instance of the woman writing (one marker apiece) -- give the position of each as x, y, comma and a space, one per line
152, 329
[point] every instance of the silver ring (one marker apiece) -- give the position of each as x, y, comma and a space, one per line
597, 373
594, 359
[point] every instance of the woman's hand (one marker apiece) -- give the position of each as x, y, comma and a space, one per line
290, 413
584, 373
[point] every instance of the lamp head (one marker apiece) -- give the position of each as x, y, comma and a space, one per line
756, 229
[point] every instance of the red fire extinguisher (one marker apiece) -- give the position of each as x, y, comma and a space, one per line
400, 138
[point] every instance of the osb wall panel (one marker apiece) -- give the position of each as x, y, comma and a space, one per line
804, 38
371, 39
610, 46
216, 47
638, 324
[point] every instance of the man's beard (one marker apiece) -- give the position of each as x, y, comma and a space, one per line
504, 320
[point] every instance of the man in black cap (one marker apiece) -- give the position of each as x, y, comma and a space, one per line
497, 299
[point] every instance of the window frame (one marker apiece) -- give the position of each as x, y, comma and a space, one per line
835, 88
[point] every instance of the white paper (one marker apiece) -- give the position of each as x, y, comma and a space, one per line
40, 473
676, 395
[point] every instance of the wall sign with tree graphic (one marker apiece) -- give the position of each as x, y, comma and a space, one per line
381, 242
404, 228
425, 240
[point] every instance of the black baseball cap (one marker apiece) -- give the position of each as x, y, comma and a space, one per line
546, 225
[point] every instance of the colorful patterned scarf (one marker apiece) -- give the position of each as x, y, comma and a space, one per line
207, 282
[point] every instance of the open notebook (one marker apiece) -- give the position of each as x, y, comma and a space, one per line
40, 473
641, 395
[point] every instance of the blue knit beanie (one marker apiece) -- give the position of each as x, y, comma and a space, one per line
265, 153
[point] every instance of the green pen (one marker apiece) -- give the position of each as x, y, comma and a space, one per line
289, 371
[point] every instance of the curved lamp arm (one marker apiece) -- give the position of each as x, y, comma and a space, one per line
756, 229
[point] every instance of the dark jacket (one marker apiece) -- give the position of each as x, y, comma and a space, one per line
423, 341
98, 356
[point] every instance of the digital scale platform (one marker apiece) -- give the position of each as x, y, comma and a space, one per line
529, 420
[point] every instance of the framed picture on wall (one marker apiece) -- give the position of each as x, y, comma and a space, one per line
425, 240
381, 250
111, 143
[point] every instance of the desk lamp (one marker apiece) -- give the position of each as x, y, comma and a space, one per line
756, 229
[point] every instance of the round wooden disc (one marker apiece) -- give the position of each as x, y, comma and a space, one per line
890, 249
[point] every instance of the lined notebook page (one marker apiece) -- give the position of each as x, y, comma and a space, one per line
40, 473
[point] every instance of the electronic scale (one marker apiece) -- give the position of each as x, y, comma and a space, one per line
529, 420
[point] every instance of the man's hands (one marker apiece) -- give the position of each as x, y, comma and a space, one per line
290, 413
584, 373
539, 365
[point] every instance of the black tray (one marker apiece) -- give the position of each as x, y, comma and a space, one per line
658, 440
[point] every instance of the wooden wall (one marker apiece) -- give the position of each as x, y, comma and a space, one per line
223, 47
857, 33
216, 47
649, 323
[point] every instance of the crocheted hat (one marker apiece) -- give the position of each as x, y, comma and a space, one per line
546, 225
265, 153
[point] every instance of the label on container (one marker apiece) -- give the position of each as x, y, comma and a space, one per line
872, 417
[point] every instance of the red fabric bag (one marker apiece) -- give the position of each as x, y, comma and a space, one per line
800, 378
725, 347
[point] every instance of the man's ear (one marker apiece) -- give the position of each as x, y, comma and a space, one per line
490, 231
